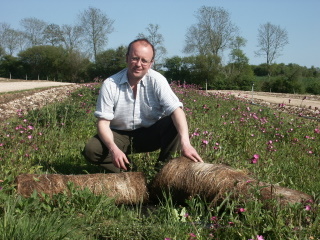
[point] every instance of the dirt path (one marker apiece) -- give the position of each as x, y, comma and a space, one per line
14, 100
298, 100
304, 105
10, 86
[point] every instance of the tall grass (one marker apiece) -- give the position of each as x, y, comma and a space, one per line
270, 145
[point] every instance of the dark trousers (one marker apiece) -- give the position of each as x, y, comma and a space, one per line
161, 135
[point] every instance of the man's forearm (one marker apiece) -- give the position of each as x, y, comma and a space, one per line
106, 134
119, 158
180, 122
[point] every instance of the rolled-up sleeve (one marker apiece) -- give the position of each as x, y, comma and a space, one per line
105, 101
168, 99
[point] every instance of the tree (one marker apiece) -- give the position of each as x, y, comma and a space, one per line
174, 67
109, 62
271, 41
52, 35
212, 34
44, 61
239, 72
12, 40
3, 28
236, 54
33, 30
96, 27
156, 39
11, 67
76, 67
71, 37
2, 52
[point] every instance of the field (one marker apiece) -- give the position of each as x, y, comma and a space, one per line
271, 144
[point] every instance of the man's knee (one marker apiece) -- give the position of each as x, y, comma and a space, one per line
94, 150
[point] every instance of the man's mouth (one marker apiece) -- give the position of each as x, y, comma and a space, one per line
137, 70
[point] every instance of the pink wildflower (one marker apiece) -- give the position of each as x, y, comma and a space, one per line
255, 158
205, 142
242, 210
308, 208
192, 235
214, 219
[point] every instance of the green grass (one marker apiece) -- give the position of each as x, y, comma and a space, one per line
223, 130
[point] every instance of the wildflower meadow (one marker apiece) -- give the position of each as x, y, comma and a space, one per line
270, 145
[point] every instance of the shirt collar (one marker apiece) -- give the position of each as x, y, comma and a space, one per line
124, 78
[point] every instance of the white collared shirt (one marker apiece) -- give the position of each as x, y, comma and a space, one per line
154, 100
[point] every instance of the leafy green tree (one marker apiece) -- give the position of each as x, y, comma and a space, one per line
44, 61
76, 67
313, 86
2, 52
208, 69
173, 68
197, 70
239, 74
109, 62
289, 82
54, 63
11, 66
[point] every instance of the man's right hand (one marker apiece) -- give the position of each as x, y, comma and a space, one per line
119, 159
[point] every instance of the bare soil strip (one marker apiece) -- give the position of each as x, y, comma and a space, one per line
11, 86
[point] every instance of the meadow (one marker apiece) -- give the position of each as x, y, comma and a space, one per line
270, 145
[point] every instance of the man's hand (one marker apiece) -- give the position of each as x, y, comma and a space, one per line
119, 159
189, 152
180, 122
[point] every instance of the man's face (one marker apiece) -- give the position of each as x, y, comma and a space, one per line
139, 61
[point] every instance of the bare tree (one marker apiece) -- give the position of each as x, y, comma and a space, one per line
271, 40
3, 28
33, 30
52, 34
213, 32
96, 27
71, 37
10, 38
156, 39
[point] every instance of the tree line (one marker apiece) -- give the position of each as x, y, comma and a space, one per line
77, 53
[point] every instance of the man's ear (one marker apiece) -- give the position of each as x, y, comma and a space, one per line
151, 64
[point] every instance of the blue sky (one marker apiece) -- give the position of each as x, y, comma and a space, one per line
301, 19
